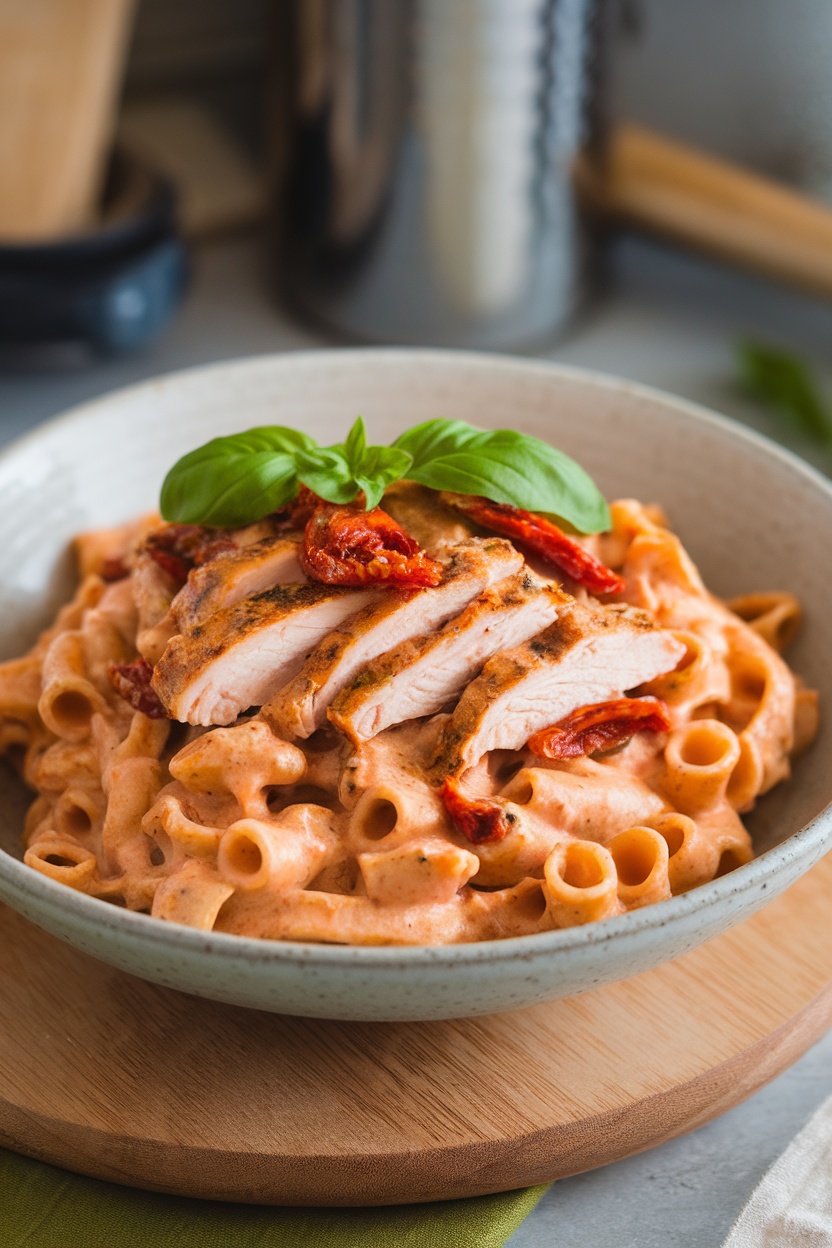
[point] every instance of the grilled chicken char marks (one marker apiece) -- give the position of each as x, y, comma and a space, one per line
252, 559
588, 655
244, 653
236, 574
421, 675
392, 618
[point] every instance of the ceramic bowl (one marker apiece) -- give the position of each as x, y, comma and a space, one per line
752, 516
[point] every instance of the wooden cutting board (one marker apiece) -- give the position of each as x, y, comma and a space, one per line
113, 1077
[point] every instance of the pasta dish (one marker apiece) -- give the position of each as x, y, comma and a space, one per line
483, 728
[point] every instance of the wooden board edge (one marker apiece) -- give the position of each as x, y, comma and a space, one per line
427, 1175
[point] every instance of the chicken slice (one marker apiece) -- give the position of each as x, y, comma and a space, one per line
395, 617
244, 653
421, 513
218, 582
420, 676
153, 591
236, 574
590, 654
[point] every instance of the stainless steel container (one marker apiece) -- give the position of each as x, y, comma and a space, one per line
424, 157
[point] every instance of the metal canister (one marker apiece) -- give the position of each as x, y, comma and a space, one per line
425, 167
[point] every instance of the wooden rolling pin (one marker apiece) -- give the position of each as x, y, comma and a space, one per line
665, 187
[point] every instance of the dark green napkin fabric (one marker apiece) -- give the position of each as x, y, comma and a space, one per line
44, 1207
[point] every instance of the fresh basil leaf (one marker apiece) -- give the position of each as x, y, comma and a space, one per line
380, 467
515, 468
787, 387
331, 474
355, 444
434, 438
327, 473
234, 480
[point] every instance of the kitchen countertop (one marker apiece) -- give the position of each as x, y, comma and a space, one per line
666, 320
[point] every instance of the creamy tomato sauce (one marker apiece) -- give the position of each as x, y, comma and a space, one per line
444, 826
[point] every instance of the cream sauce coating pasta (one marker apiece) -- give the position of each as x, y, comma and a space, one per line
236, 829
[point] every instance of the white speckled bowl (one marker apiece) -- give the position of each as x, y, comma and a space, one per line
753, 517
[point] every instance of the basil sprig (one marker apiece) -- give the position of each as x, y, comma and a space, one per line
339, 473
236, 480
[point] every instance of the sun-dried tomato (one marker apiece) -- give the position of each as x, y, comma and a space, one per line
114, 568
300, 511
175, 567
481, 820
132, 682
177, 548
601, 726
212, 547
543, 538
348, 546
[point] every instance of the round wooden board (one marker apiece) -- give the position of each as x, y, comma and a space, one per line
105, 1074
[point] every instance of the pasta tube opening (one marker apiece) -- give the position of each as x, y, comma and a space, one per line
641, 857
580, 883
68, 713
240, 858
286, 854
690, 856
62, 860
700, 758
388, 810
77, 812
378, 819
746, 779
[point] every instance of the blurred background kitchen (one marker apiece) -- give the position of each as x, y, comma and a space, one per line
183, 181
190, 180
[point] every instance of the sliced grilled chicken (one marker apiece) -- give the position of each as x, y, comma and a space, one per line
420, 676
394, 617
588, 655
433, 523
157, 587
153, 590
236, 574
244, 653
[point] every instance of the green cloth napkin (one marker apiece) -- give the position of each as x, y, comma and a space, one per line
44, 1207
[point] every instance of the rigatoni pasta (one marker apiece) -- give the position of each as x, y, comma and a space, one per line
240, 828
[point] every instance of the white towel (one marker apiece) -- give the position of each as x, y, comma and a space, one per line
792, 1205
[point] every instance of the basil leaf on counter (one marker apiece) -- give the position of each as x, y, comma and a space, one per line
510, 467
235, 480
787, 387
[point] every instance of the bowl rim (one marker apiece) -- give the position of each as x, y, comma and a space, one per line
807, 842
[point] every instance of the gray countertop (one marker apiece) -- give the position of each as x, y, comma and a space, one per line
667, 320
